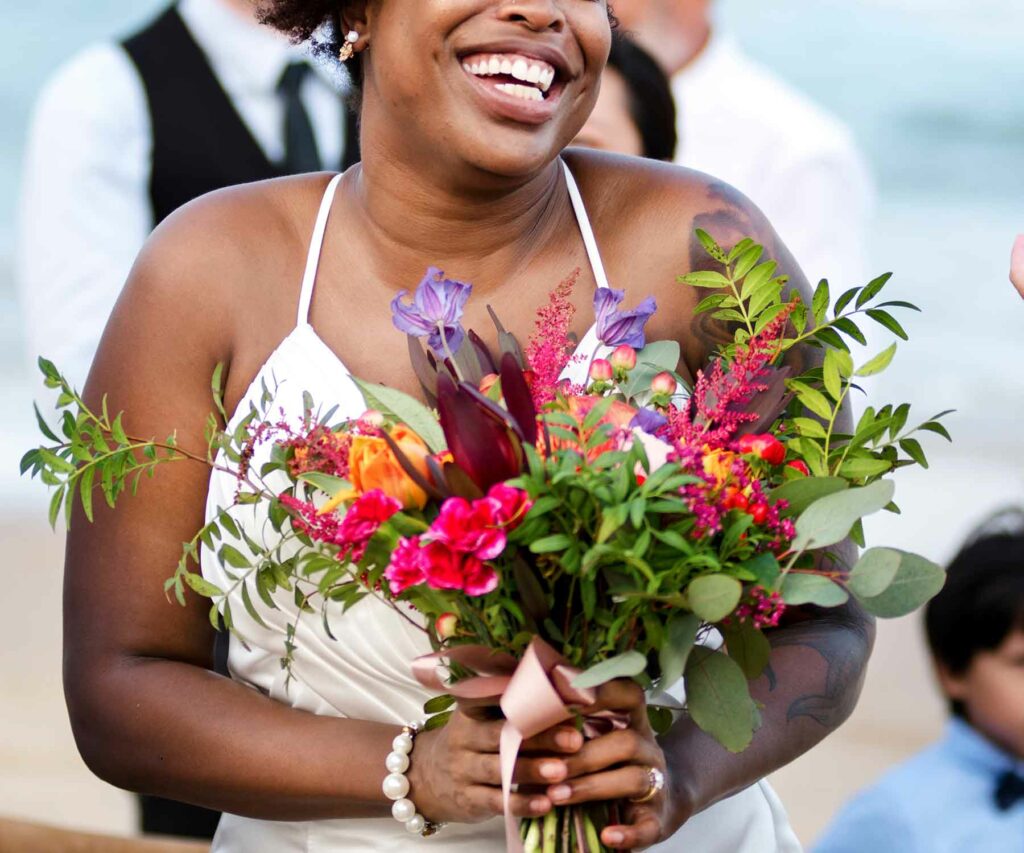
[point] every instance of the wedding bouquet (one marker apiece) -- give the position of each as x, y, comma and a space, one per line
552, 533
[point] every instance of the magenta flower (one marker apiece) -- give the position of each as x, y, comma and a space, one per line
435, 312
513, 504
470, 528
615, 327
408, 565
448, 569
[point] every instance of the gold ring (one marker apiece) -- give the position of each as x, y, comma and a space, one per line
657, 784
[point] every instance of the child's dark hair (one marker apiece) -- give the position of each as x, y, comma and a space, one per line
983, 599
651, 104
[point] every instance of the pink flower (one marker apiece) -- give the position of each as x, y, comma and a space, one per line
448, 569
601, 370
471, 528
363, 519
664, 384
623, 358
408, 565
514, 504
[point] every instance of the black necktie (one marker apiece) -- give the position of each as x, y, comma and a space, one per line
300, 150
1009, 790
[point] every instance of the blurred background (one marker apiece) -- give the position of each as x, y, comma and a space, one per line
931, 91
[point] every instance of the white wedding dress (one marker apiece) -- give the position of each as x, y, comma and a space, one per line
365, 673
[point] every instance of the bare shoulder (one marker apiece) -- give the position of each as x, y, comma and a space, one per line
217, 281
646, 214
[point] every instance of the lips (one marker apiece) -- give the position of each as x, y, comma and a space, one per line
515, 83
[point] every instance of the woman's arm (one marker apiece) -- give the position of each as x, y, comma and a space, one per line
147, 713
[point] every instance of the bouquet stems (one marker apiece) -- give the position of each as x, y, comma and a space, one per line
567, 829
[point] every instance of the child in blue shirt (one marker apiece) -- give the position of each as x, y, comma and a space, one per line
965, 794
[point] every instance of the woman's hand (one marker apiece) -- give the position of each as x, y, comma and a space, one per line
455, 773
617, 766
1017, 265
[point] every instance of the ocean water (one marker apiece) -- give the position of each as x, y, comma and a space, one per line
931, 89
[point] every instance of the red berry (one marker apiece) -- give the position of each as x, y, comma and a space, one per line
759, 512
799, 465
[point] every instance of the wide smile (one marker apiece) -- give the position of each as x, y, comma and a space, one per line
516, 86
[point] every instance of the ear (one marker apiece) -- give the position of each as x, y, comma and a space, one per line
355, 16
954, 685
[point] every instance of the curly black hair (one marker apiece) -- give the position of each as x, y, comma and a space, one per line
319, 22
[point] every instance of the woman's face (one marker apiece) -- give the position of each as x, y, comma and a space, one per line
502, 85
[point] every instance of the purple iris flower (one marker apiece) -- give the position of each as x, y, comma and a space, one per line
435, 312
648, 420
615, 328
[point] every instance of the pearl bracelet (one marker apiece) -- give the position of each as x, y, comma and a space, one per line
396, 785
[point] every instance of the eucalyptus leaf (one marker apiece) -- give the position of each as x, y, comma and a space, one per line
749, 647
680, 634
917, 580
874, 572
713, 597
799, 588
718, 698
625, 665
828, 520
650, 361
801, 493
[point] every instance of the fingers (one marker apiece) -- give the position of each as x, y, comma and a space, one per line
643, 831
623, 696
621, 783
625, 746
521, 805
530, 770
485, 736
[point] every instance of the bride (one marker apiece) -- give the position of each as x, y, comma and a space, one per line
466, 106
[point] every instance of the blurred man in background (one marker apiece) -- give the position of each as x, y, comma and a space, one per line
740, 123
124, 133
1017, 265
966, 793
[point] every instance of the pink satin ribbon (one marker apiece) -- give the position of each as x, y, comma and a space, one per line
534, 693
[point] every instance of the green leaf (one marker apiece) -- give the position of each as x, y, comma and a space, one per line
231, 556
899, 419
705, 278
873, 288
800, 588
937, 428
874, 572
831, 374
747, 261
549, 544
437, 721
718, 698
44, 427
405, 409
884, 318
803, 492
713, 597
758, 277
765, 568
710, 246
819, 302
878, 363
199, 584
828, 335
913, 449
661, 720
848, 327
809, 427
625, 665
85, 489
710, 303
844, 300
326, 483
917, 580
249, 608
650, 361
438, 704
680, 634
862, 467
828, 520
749, 647
811, 398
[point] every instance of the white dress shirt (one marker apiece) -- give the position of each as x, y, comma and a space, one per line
85, 208
740, 123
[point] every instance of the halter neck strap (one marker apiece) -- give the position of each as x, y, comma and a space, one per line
315, 246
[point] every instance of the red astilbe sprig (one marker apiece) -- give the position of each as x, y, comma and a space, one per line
551, 346
321, 449
720, 407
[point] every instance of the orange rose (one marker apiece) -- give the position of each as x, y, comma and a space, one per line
372, 465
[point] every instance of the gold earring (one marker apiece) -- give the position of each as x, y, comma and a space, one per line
348, 49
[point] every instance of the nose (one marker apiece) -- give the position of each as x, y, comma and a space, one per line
538, 15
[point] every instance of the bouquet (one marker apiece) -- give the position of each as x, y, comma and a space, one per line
558, 518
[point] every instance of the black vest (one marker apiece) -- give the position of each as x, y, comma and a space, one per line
200, 143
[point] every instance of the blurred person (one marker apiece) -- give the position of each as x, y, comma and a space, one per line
635, 112
742, 124
966, 793
126, 132
1017, 265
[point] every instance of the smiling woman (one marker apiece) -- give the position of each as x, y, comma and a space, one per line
466, 108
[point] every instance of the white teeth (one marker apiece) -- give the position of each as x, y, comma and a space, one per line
533, 75
467, 67
520, 69
546, 79
539, 74
506, 66
495, 65
527, 93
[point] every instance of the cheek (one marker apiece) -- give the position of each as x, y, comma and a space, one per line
995, 703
